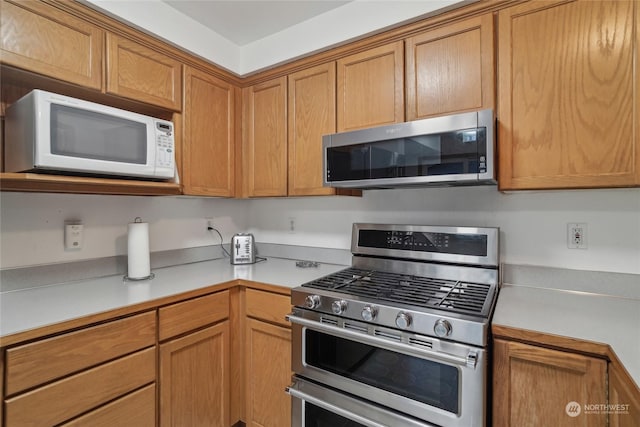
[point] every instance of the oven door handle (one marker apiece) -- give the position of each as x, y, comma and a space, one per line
468, 361
332, 408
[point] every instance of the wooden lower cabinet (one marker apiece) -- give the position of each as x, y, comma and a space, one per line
268, 372
535, 386
135, 409
194, 379
625, 396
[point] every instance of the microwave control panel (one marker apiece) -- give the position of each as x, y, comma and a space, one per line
165, 144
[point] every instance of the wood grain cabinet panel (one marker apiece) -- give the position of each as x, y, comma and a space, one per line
136, 409
268, 306
312, 113
532, 386
567, 96
451, 69
209, 135
36, 363
194, 379
622, 391
176, 319
371, 88
42, 39
265, 138
268, 372
142, 74
62, 400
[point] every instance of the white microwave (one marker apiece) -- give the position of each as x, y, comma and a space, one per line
51, 133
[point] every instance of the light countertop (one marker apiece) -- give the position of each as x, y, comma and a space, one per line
31, 308
605, 319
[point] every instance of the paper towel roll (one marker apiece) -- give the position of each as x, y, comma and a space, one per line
138, 250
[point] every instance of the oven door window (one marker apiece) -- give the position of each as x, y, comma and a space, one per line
315, 416
430, 382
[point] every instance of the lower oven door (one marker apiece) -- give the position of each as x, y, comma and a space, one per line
437, 381
314, 405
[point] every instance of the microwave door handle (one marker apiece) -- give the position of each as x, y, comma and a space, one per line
332, 408
380, 342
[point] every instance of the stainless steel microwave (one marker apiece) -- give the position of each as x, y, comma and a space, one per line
47, 132
457, 149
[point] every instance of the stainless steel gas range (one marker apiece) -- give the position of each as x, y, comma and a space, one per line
401, 337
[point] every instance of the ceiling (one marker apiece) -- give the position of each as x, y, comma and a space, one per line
245, 21
246, 36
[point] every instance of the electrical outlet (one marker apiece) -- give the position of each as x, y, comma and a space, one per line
292, 225
210, 223
577, 235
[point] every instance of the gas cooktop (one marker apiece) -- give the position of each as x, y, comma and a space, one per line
443, 294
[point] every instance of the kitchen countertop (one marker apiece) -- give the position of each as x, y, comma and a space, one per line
606, 319
27, 309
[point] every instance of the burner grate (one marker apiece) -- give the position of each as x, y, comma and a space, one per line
450, 295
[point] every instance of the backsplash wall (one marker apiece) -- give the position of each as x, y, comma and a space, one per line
533, 224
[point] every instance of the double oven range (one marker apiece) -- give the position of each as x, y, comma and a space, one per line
401, 337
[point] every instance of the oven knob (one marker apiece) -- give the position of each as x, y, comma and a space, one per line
403, 320
312, 301
442, 328
369, 313
338, 307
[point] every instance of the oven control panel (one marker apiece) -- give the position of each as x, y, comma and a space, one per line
459, 244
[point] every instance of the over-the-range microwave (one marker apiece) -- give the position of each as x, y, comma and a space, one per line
47, 132
455, 149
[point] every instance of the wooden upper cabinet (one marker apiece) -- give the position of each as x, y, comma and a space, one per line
142, 74
451, 69
40, 38
371, 88
533, 386
566, 85
209, 135
312, 113
265, 138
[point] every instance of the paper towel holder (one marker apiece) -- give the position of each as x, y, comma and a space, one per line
126, 277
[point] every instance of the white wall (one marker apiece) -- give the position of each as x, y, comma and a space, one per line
31, 225
533, 224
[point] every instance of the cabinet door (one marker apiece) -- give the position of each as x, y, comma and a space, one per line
312, 113
47, 41
566, 95
265, 134
451, 69
371, 88
142, 74
209, 135
194, 379
534, 386
268, 372
623, 391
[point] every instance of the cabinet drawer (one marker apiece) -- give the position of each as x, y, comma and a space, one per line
185, 316
268, 306
45, 360
135, 409
64, 399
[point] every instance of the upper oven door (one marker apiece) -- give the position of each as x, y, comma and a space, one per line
436, 381
451, 149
